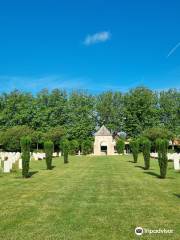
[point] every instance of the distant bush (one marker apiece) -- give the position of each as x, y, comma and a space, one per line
162, 147
25, 151
10, 138
65, 146
87, 146
146, 149
134, 145
157, 133
120, 146
74, 147
49, 148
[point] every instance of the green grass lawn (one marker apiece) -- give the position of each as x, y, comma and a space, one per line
98, 198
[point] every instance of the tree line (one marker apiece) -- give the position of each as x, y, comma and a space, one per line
77, 115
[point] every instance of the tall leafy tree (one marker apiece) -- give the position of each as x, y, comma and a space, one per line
80, 122
141, 110
169, 102
110, 110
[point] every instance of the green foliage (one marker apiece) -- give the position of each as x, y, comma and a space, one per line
78, 113
74, 147
55, 134
81, 116
146, 149
141, 111
10, 138
87, 146
134, 145
120, 145
37, 138
66, 147
169, 102
25, 151
49, 148
162, 147
15, 167
110, 110
154, 133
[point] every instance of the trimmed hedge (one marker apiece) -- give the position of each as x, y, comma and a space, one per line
120, 146
65, 145
162, 147
49, 148
146, 149
134, 145
25, 151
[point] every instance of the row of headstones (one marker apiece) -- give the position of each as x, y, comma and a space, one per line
175, 157
40, 156
7, 159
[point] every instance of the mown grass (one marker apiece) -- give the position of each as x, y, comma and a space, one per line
99, 198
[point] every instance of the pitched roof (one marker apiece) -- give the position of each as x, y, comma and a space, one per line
103, 131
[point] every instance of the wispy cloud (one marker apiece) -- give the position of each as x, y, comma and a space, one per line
36, 83
173, 49
97, 38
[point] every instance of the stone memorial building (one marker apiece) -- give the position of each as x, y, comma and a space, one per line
104, 143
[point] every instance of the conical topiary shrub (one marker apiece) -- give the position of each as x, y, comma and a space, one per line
120, 146
65, 145
25, 151
134, 145
49, 148
162, 147
146, 148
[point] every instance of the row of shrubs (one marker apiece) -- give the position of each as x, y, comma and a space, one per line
145, 145
48, 149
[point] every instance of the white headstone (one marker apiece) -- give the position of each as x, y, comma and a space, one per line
20, 163
176, 163
6, 166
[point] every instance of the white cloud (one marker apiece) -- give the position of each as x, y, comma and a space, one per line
97, 38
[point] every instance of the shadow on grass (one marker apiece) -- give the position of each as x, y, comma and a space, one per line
152, 174
177, 195
131, 161
157, 175
140, 167
32, 173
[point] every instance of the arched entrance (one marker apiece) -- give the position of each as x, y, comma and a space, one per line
103, 148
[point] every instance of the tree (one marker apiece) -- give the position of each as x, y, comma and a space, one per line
155, 133
10, 138
48, 148
55, 134
134, 145
146, 148
87, 146
25, 151
110, 110
80, 122
65, 145
120, 145
16, 108
162, 146
74, 147
169, 104
141, 110
37, 138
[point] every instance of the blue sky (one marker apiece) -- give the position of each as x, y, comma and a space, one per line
94, 44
